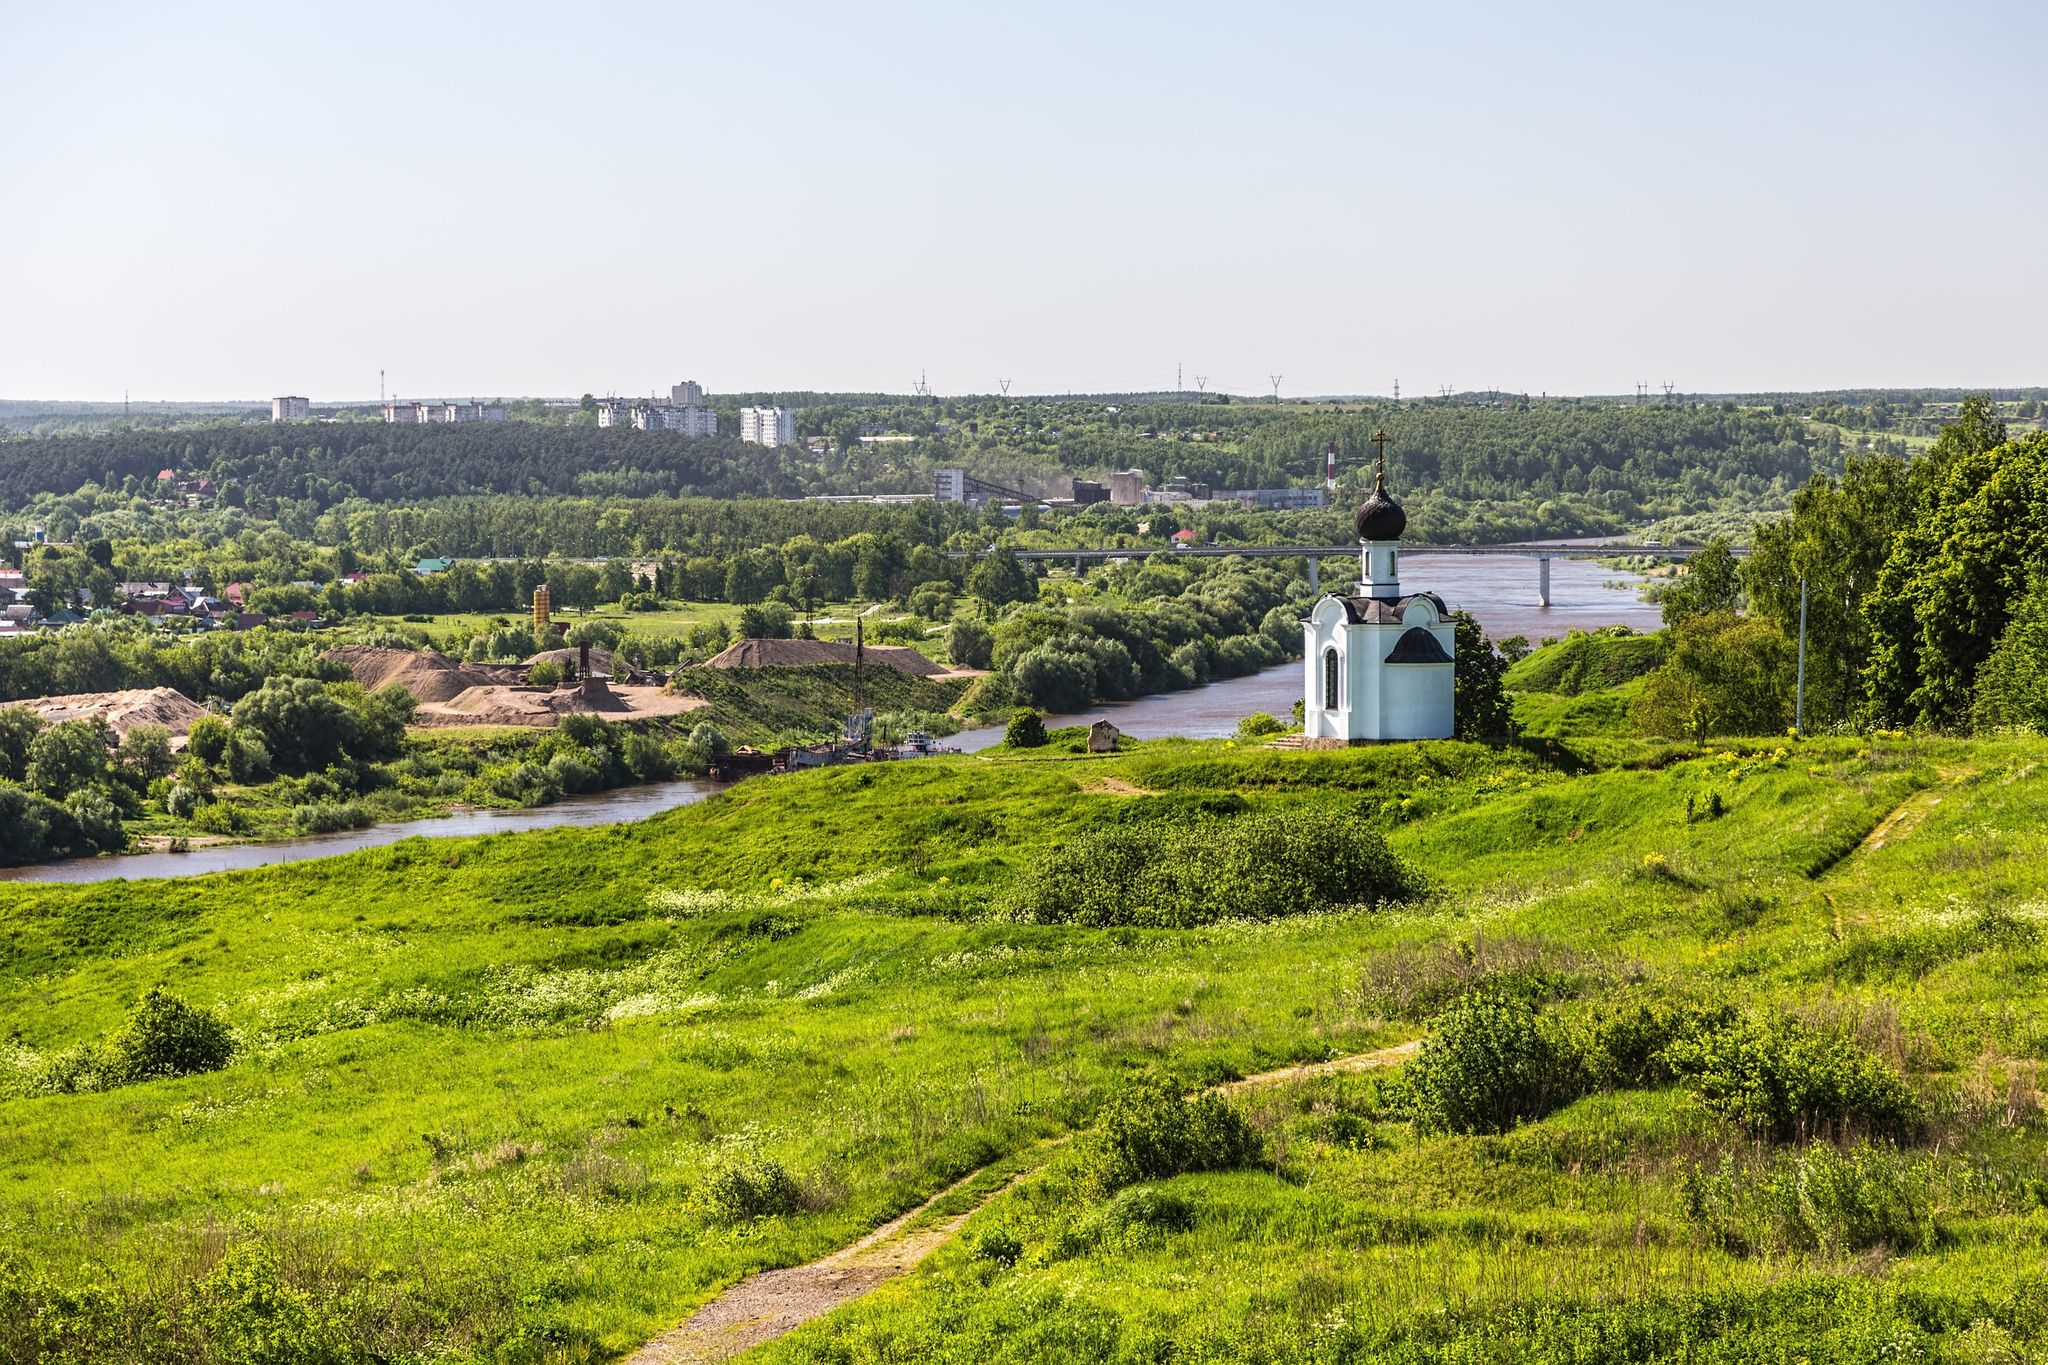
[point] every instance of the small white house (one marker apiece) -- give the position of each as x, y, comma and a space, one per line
1378, 665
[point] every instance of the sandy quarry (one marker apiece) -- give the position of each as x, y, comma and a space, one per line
496, 705
452, 693
123, 711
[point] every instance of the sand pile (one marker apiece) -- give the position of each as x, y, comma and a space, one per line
430, 677
123, 711
498, 705
786, 653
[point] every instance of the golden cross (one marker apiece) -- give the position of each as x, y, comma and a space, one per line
1380, 438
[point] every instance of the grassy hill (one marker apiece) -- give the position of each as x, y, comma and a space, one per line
1584, 684
536, 1097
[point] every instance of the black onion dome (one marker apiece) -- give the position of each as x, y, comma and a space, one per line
1379, 516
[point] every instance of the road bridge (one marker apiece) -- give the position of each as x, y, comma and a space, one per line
1537, 550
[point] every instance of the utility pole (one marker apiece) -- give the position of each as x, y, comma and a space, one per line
1799, 686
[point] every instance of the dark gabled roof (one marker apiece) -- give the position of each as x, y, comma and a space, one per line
1386, 611
1417, 646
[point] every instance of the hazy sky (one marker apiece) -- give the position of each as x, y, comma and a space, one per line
236, 200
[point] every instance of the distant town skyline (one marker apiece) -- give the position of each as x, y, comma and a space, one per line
223, 200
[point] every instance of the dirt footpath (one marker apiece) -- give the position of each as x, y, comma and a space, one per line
774, 1303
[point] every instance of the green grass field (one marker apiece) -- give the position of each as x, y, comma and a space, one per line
490, 1095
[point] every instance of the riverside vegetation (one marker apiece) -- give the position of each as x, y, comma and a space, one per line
1729, 1052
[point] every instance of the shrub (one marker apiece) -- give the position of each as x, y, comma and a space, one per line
1490, 1062
998, 1244
163, 1037
1780, 1079
208, 739
746, 1184
1027, 729
546, 673
1623, 1045
1258, 725
327, 818
147, 750
1153, 1132
571, 773
708, 739
969, 644
1415, 981
1817, 1199
530, 784
1152, 1208
1190, 870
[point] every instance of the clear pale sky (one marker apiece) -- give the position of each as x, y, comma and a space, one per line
236, 200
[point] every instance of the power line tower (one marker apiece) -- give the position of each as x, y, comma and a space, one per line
1397, 390
1201, 385
1179, 386
924, 390
1276, 378
1667, 391
1004, 385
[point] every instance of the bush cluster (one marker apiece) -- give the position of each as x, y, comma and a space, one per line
1183, 870
1490, 1062
1153, 1132
1493, 1059
747, 1184
1816, 1199
1782, 1080
163, 1037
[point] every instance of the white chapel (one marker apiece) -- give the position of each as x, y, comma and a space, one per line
1378, 664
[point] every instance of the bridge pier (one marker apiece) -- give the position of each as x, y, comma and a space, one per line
1315, 574
1543, 580
1080, 567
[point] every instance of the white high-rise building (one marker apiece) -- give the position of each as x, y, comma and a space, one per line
288, 409
614, 412
949, 485
690, 419
767, 426
688, 394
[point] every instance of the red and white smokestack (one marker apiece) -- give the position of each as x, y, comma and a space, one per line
1330, 467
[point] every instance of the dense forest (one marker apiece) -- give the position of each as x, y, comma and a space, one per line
517, 488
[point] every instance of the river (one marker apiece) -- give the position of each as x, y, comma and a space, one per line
1501, 592
601, 808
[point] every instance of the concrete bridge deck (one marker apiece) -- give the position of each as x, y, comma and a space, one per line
1315, 554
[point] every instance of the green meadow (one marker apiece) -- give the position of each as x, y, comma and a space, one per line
537, 1097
